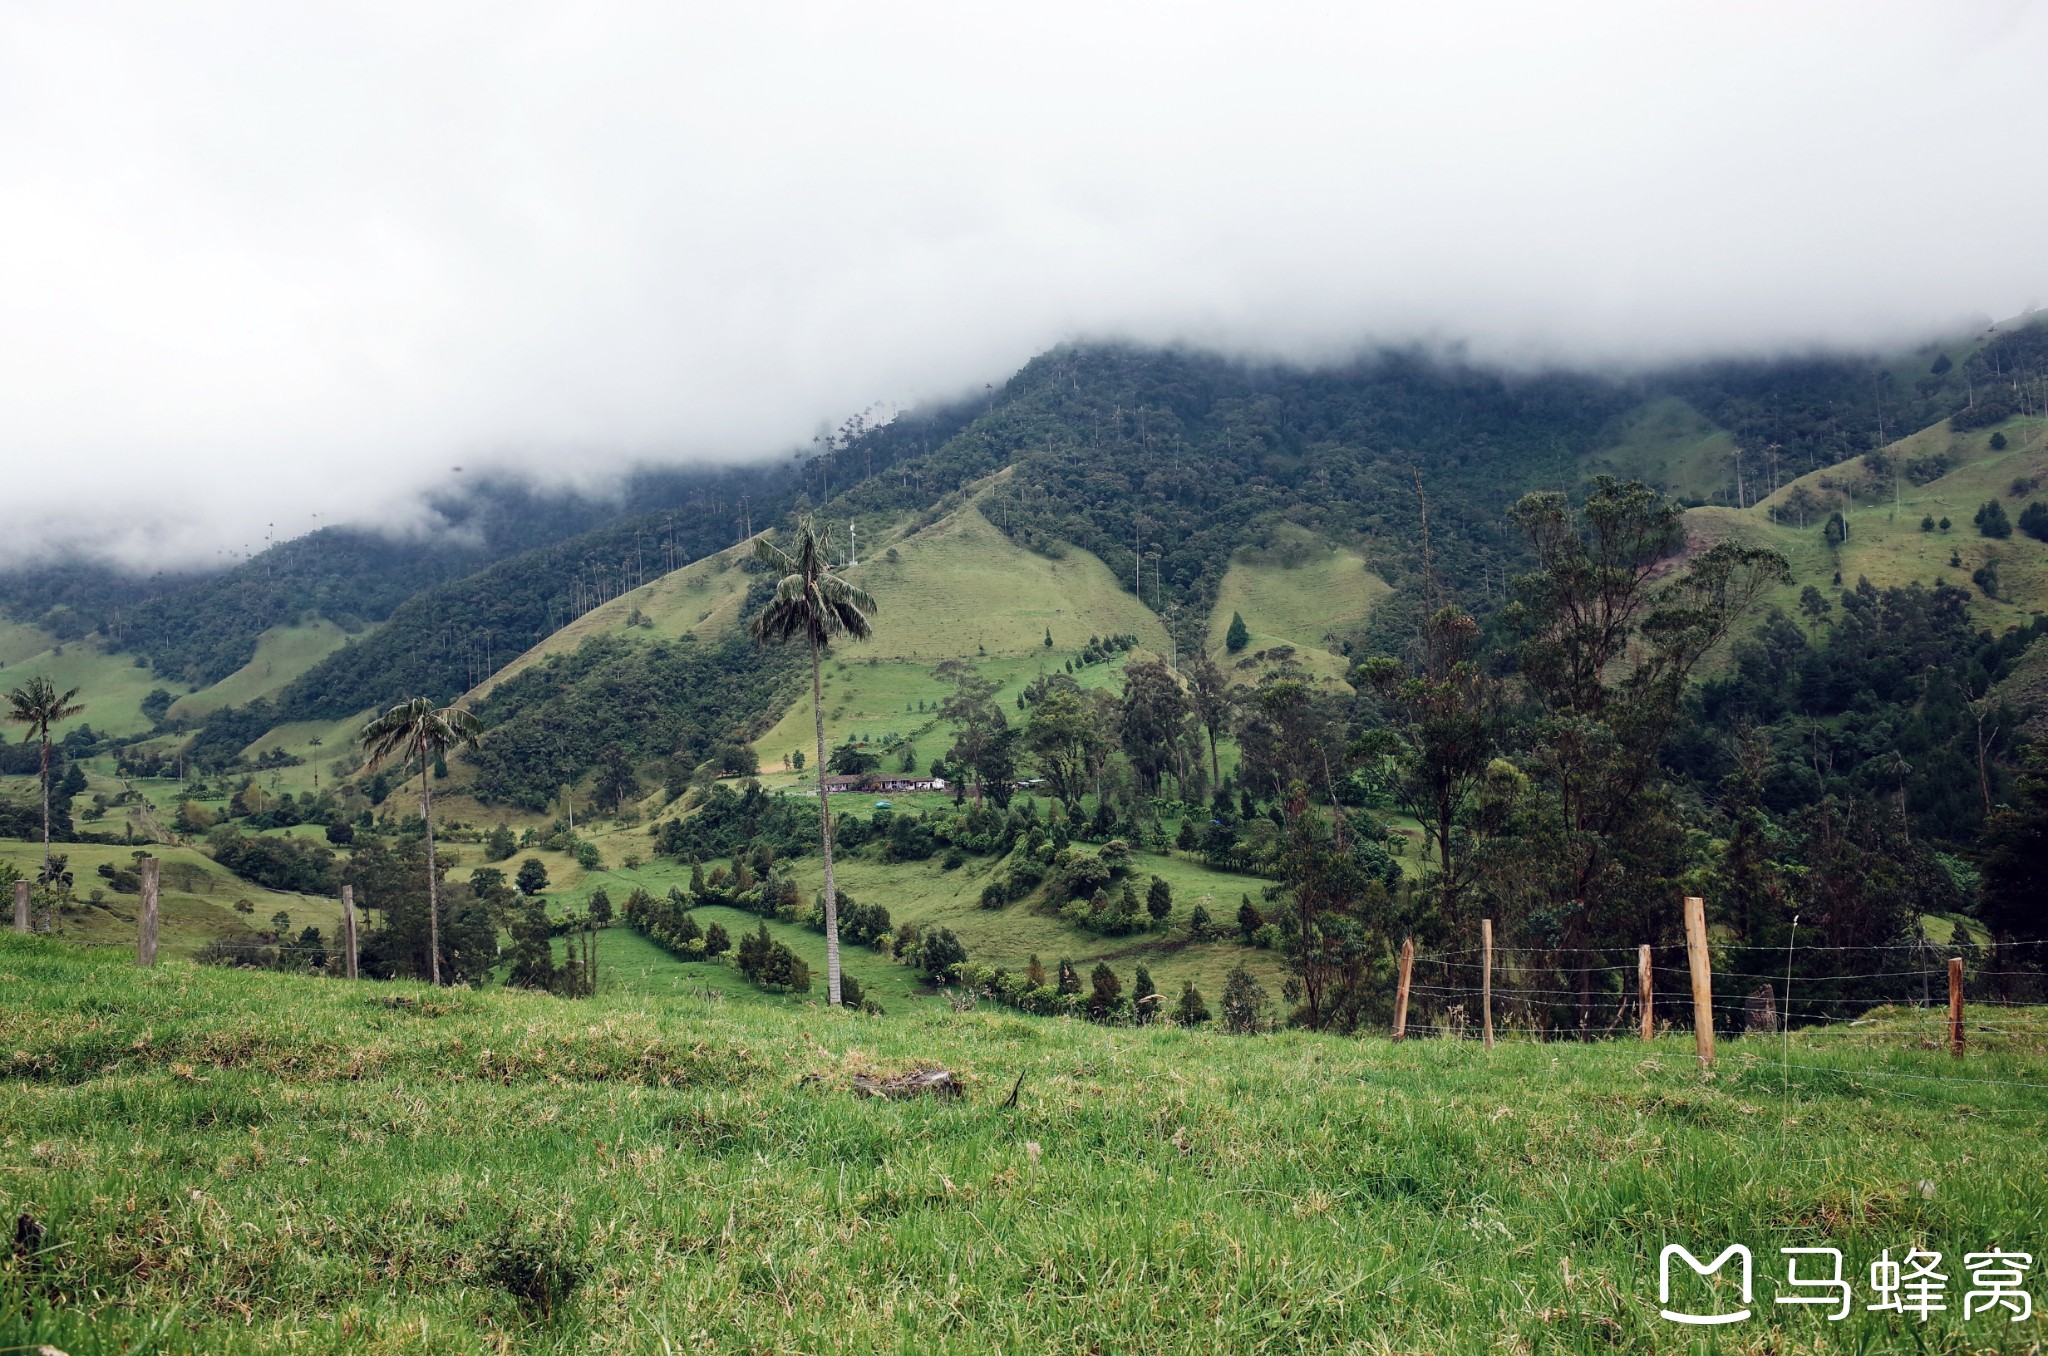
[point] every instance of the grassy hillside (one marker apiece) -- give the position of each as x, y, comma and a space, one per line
230, 1162
960, 589
1295, 591
196, 906
109, 683
703, 597
282, 654
1886, 543
1667, 443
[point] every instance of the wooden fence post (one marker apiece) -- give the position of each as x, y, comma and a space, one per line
348, 929
21, 905
1643, 990
1401, 990
146, 918
1486, 980
1955, 1006
1702, 979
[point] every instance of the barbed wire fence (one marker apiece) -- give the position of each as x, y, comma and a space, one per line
1935, 995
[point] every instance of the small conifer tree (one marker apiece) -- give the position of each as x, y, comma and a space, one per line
1249, 920
1159, 899
1106, 991
1245, 1006
1191, 1010
1144, 997
1200, 925
1991, 520
1237, 637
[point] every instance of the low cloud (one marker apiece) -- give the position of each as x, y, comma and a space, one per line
264, 262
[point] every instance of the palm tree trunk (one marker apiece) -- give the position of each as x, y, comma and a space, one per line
46, 805
825, 833
433, 884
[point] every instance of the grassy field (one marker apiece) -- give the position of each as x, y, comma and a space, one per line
1886, 544
1669, 444
960, 589
703, 597
282, 654
229, 1162
1300, 592
197, 904
110, 685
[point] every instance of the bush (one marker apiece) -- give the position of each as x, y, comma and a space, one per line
771, 964
1159, 900
1106, 992
1246, 1010
2034, 520
1191, 1010
1991, 520
940, 952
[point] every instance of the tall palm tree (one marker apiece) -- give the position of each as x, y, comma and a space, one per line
38, 705
419, 731
816, 604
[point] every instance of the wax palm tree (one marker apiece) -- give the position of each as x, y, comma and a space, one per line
419, 731
814, 604
38, 705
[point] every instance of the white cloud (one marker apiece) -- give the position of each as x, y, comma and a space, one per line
259, 261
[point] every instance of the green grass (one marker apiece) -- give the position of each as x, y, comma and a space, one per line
229, 1162
1886, 545
867, 697
1668, 444
282, 654
926, 894
703, 597
110, 685
196, 905
930, 896
1300, 592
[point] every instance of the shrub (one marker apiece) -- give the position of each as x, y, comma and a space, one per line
1246, 1010
1159, 899
941, 952
1190, 1010
1144, 996
1249, 920
2034, 520
1991, 520
1106, 992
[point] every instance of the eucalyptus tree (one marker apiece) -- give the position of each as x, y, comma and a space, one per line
418, 731
814, 603
38, 705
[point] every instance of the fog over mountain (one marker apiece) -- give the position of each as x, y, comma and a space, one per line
263, 262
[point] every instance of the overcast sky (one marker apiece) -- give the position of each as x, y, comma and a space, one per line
262, 261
